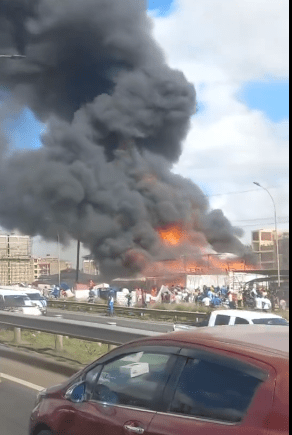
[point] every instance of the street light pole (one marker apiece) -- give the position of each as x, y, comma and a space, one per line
59, 268
276, 231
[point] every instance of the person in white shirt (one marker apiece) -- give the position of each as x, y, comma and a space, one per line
206, 302
148, 298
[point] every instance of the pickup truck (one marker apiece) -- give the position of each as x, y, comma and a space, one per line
234, 317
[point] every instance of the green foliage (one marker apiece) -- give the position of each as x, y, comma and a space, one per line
77, 351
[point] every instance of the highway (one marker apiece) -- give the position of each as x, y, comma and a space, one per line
16, 399
105, 320
16, 403
17, 396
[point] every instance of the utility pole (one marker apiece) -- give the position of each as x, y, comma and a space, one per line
77, 261
59, 267
8, 258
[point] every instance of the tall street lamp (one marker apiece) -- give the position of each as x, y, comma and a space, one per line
59, 268
276, 231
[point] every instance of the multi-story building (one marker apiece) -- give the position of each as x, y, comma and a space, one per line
48, 266
264, 245
16, 264
89, 266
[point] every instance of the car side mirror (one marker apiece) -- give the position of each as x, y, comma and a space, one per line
76, 393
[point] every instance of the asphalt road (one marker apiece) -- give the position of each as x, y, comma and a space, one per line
17, 400
16, 403
97, 318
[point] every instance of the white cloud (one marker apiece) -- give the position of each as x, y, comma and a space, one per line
219, 46
246, 39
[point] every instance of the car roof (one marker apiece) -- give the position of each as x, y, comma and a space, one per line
31, 290
259, 338
12, 293
248, 314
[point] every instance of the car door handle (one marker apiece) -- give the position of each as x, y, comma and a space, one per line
134, 429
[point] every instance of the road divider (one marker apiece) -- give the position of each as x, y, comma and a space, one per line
100, 333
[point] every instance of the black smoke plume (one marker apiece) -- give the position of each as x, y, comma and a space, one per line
116, 116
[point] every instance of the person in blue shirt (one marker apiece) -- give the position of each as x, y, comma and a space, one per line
111, 305
210, 294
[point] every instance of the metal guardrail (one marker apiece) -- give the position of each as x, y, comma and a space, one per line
146, 313
110, 334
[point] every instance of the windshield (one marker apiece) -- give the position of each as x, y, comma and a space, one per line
35, 296
272, 321
17, 301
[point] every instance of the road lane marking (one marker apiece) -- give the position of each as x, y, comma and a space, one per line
22, 382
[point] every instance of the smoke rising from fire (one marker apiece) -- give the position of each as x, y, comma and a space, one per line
117, 116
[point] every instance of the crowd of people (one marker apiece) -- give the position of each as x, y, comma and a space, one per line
253, 297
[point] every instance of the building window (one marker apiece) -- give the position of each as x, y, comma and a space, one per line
265, 236
256, 246
267, 256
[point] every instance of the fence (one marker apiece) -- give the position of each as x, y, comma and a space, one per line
145, 313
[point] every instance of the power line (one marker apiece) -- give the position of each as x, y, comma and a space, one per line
237, 192
262, 219
266, 223
232, 193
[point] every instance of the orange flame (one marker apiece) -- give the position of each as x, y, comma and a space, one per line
172, 234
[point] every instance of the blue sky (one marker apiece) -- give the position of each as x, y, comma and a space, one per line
271, 97
163, 7
24, 131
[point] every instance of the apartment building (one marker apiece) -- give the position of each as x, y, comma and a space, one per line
16, 264
264, 245
45, 266
89, 266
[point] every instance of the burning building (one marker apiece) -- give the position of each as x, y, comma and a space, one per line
116, 117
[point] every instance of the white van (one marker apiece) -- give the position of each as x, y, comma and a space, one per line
19, 302
37, 299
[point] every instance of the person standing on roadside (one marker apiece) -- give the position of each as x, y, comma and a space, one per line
283, 303
111, 305
129, 299
240, 299
148, 299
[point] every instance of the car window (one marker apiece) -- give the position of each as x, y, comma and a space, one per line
222, 319
211, 390
135, 380
240, 321
272, 321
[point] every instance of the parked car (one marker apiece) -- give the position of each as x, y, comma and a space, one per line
223, 381
19, 302
234, 317
37, 299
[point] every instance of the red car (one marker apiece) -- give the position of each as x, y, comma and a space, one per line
211, 381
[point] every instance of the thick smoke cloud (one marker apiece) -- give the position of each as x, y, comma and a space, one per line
116, 115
